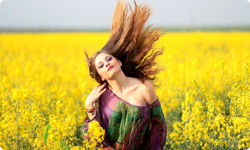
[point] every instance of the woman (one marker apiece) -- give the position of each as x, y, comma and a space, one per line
125, 103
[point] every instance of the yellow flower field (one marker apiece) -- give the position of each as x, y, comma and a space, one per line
204, 90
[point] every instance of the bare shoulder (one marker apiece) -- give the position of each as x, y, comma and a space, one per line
143, 92
148, 91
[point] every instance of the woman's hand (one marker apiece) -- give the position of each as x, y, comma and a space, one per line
94, 95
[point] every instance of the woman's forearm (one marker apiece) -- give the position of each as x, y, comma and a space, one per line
91, 115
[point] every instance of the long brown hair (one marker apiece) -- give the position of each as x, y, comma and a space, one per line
131, 44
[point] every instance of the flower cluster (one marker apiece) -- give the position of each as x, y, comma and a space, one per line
95, 135
210, 122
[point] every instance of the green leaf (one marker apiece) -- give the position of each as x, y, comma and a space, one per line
46, 134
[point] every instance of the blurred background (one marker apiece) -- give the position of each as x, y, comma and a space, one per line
96, 15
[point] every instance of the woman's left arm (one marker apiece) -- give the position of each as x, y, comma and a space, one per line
157, 118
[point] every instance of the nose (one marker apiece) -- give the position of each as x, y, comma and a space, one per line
107, 64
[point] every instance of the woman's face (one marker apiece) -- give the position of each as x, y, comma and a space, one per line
107, 65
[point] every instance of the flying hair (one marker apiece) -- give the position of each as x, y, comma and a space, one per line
131, 43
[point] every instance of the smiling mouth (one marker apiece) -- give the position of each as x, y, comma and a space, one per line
110, 68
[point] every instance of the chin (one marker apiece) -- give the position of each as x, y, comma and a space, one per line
113, 72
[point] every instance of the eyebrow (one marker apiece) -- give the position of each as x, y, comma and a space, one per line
105, 58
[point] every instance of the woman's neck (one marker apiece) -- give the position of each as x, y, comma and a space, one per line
119, 83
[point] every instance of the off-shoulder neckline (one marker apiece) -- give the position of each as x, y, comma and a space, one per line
132, 104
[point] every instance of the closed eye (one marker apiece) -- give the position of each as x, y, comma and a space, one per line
100, 65
108, 58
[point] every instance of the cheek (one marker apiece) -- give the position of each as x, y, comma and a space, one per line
113, 61
101, 72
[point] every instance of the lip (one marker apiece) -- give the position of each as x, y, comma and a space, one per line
110, 68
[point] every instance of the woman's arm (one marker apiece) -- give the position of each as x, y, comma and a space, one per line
92, 102
92, 98
91, 115
157, 118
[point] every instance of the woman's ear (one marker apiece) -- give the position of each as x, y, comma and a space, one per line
120, 63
